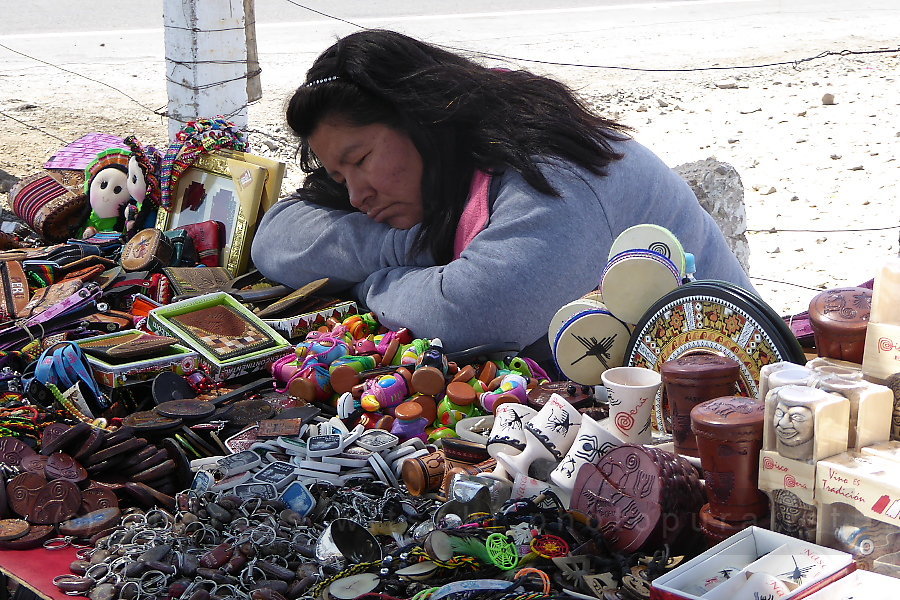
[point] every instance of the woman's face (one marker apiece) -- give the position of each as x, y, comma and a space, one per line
380, 166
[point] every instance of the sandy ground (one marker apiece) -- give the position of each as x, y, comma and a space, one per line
805, 164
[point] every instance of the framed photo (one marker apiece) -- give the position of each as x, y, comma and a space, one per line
218, 188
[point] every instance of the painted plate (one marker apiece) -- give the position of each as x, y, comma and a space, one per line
650, 237
589, 343
711, 317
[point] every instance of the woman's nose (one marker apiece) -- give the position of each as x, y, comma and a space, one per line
359, 191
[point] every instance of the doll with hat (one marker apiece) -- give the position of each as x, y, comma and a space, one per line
143, 184
106, 186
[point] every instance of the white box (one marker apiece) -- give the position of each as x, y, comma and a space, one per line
859, 585
686, 582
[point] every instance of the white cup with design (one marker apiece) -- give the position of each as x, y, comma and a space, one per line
631, 392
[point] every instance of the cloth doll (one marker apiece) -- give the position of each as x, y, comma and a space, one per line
143, 184
106, 185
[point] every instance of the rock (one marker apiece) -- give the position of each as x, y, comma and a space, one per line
857, 168
718, 187
7, 180
828, 99
748, 111
727, 84
641, 108
662, 103
733, 140
835, 157
768, 190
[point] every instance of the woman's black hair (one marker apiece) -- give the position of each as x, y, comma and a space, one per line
460, 116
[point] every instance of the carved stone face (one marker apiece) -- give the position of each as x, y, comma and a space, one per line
793, 424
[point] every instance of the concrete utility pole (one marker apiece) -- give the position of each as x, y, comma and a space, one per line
211, 60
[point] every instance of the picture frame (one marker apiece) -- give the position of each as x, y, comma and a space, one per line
276, 170
223, 189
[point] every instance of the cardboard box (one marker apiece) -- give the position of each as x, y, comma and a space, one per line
754, 550
859, 508
177, 358
298, 326
160, 320
859, 585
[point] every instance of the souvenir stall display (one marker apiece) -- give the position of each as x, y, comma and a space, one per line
173, 425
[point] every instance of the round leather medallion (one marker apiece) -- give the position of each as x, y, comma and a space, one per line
12, 451
148, 420
11, 529
91, 523
63, 466
95, 498
42, 502
186, 409
36, 536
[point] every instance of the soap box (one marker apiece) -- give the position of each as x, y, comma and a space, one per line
177, 358
161, 320
858, 585
859, 508
299, 325
815, 566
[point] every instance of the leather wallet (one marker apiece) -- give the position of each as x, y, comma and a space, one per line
44, 298
14, 291
209, 239
189, 281
127, 344
147, 250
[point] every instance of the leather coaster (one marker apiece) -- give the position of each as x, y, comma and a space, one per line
91, 523
141, 455
155, 472
97, 497
36, 536
159, 456
105, 465
93, 443
148, 420
246, 412
40, 502
35, 463
272, 428
50, 437
147, 496
169, 385
183, 473
63, 466
115, 450
13, 529
12, 451
191, 410
119, 435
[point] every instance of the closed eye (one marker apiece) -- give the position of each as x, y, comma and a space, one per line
360, 161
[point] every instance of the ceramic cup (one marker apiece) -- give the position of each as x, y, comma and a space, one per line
592, 442
508, 433
631, 392
549, 435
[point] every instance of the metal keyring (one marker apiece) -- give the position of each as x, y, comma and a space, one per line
99, 577
152, 582
59, 543
139, 593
